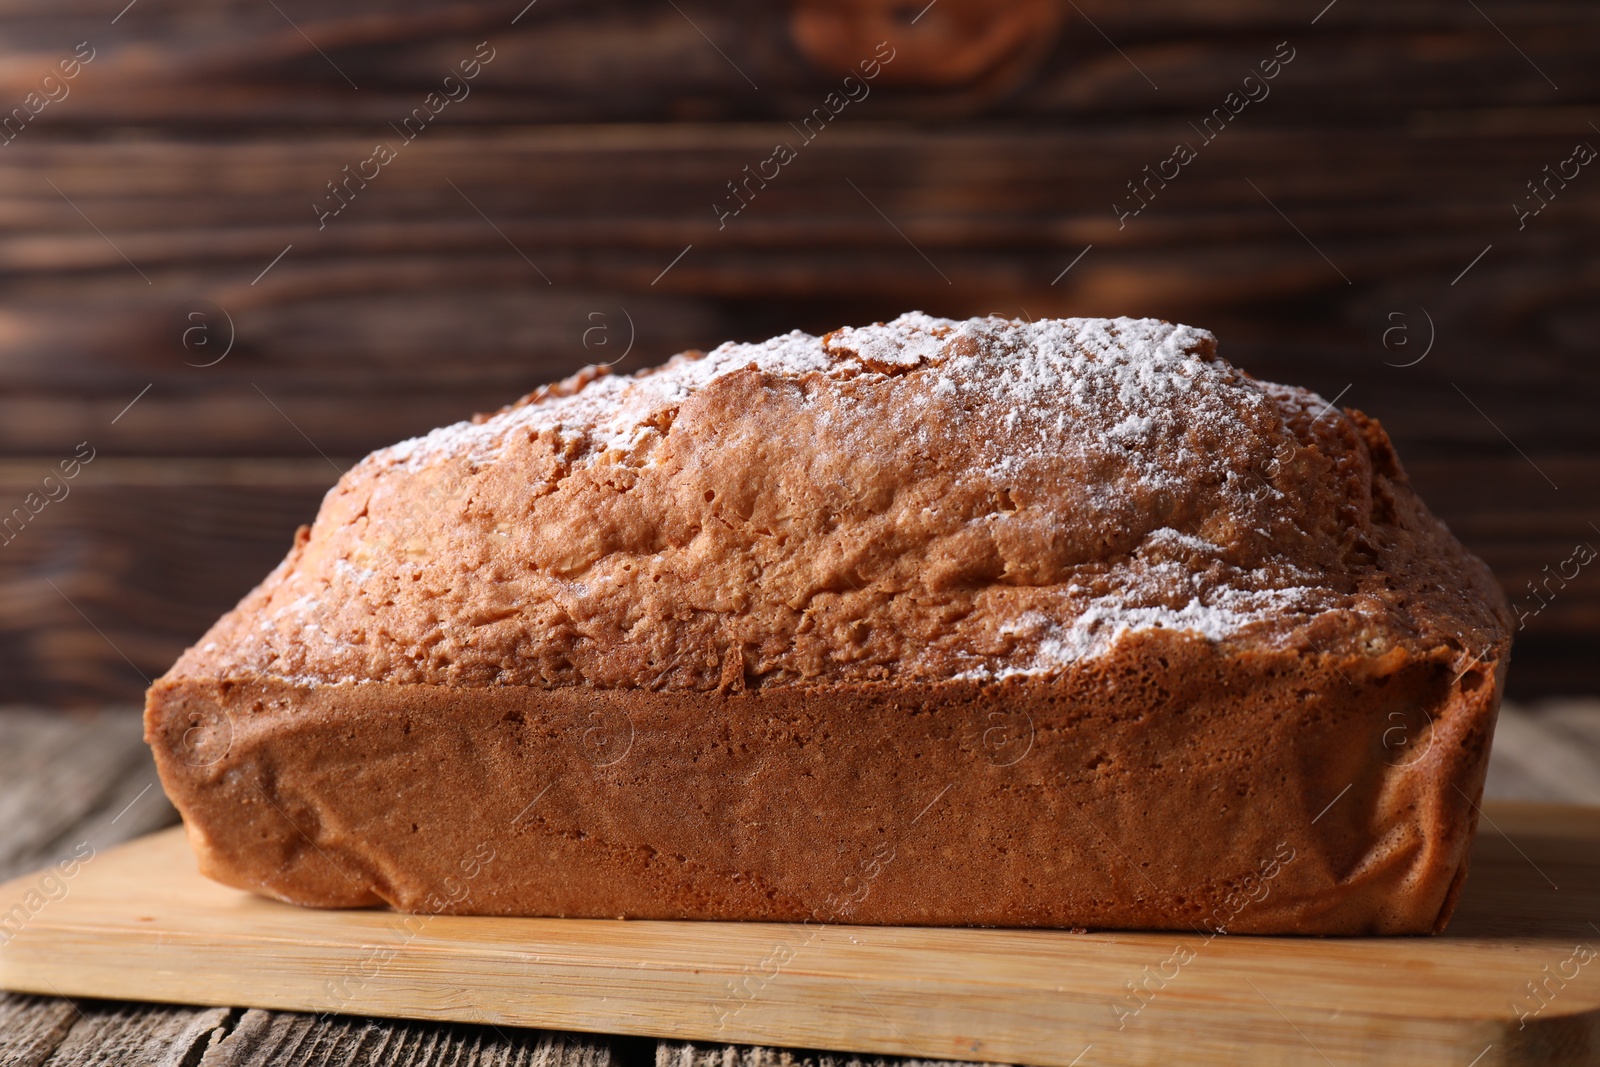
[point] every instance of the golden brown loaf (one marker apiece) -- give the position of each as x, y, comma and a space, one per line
1053, 623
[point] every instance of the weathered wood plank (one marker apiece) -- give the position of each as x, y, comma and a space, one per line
1577, 719
88, 1033
1548, 751
564, 61
73, 782
112, 1034
103, 589
172, 201
292, 1040
693, 1054
408, 309
32, 1028
69, 784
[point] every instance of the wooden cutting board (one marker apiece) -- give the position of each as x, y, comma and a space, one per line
1516, 980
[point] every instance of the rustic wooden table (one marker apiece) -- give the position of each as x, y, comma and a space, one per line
66, 779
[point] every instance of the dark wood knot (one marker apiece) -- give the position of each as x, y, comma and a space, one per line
947, 44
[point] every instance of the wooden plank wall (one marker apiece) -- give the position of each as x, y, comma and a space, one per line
166, 208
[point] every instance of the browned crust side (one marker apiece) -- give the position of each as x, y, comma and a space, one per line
1171, 786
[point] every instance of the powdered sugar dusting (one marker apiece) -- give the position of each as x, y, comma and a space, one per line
610, 411
911, 339
1137, 366
1105, 621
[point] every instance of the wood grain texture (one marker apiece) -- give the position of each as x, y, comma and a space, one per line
81, 1032
1547, 752
177, 63
292, 1040
32, 1028
103, 588
139, 918
191, 150
690, 1054
66, 780
109, 1035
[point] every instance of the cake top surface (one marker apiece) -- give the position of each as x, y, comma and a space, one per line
920, 500
1120, 373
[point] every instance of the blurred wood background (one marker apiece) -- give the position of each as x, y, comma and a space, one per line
161, 212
